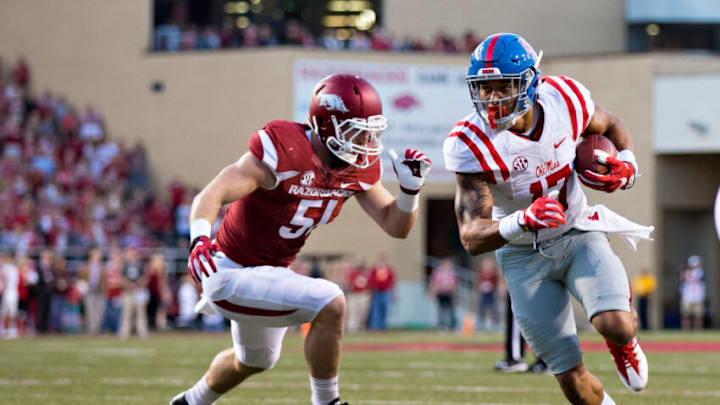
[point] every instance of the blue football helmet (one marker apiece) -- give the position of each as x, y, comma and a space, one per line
510, 59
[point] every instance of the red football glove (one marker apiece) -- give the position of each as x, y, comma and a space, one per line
200, 260
622, 175
543, 213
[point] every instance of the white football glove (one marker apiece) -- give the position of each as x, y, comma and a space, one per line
411, 169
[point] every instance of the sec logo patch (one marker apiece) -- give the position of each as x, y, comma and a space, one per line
308, 178
520, 164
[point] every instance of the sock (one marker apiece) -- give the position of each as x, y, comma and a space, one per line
607, 400
324, 391
201, 394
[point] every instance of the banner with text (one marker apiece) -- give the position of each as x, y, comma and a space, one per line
422, 103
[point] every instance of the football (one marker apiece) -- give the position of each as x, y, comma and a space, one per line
585, 153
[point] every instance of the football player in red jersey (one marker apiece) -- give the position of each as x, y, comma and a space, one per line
294, 178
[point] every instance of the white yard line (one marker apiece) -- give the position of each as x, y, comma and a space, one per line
177, 382
396, 402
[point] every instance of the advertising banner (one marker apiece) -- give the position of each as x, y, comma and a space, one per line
422, 103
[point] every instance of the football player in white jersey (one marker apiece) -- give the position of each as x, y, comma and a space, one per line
517, 193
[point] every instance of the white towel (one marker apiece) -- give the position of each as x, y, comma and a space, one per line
601, 218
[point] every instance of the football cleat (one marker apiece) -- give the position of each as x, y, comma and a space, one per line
539, 367
179, 399
631, 364
513, 366
336, 401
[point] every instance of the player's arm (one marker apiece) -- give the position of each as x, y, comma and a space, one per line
396, 215
624, 168
606, 123
231, 184
382, 207
473, 209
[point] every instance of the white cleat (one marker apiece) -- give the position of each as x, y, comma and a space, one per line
513, 366
631, 364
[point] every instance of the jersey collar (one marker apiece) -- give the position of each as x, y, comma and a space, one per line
539, 124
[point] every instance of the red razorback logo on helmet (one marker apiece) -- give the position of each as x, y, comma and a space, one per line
333, 102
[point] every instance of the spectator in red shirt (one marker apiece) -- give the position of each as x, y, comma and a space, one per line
113, 288
158, 218
382, 282
159, 293
357, 296
21, 73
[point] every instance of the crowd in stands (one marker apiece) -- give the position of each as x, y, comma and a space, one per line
65, 182
66, 187
181, 37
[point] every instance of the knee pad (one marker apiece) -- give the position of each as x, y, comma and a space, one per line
264, 358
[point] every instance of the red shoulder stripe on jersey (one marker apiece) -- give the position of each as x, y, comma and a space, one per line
571, 106
229, 306
496, 156
580, 97
490, 50
478, 155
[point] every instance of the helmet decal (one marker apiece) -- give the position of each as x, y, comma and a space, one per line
333, 102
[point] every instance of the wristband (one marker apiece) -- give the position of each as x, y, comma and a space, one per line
509, 226
407, 202
626, 155
199, 227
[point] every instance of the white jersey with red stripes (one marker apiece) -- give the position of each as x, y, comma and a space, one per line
523, 167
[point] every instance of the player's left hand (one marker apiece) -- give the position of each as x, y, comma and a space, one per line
622, 175
411, 169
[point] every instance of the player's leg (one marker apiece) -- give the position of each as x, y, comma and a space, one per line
542, 308
267, 296
322, 351
582, 388
597, 279
255, 349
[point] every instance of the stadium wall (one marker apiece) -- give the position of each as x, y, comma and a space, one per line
559, 27
95, 52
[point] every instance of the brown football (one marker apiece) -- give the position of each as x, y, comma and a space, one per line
585, 156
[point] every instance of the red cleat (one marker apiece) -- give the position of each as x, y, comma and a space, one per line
631, 364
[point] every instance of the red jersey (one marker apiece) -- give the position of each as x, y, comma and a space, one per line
382, 278
358, 280
269, 226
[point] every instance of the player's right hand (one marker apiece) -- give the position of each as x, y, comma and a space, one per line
200, 260
543, 213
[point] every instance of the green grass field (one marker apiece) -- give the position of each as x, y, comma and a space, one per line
104, 370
